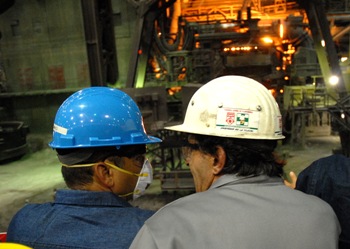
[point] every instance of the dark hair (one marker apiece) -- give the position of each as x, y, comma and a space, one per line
75, 177
80, 176
244, 157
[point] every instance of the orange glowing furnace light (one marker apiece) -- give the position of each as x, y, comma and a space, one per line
173, 90
273, 91
267, 40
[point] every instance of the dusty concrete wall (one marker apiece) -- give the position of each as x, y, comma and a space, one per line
42, 46
44, 58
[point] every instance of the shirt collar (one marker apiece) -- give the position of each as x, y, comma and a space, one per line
89, 198
229, 179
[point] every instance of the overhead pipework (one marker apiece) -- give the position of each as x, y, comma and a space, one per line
277, 42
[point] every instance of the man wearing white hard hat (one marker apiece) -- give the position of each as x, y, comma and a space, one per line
232, 126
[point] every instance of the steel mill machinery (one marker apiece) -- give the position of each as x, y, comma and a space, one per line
298, 49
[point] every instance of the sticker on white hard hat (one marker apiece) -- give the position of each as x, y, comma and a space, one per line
237, 119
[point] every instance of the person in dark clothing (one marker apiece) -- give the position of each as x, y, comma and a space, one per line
329, 179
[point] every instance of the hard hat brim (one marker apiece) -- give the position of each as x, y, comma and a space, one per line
185, 129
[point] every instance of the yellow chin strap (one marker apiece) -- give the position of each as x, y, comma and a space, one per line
114, 167
125, 171
128, 194
109, 164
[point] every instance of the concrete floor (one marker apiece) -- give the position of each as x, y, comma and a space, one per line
34, 178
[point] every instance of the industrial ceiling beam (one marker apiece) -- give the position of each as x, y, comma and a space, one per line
147, 12
328, 57
100, 41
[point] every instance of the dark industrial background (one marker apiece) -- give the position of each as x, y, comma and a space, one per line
50, 49
160, 52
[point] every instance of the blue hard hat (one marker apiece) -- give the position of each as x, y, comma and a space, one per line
99, 116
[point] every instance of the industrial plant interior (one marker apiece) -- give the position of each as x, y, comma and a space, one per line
160, 52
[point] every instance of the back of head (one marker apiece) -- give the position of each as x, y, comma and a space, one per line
329, 179
93, 124
241, 115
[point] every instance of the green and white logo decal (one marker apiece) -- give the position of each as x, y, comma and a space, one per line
237, 120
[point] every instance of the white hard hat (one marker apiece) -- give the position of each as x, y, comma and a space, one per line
233, 106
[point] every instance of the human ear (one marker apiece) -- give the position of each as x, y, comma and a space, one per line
103, 174
219, 160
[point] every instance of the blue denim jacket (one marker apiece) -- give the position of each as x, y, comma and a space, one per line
329, 179
78, 219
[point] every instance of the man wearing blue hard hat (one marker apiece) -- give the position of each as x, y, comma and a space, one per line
100, 141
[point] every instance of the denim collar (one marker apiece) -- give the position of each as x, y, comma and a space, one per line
89, 198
